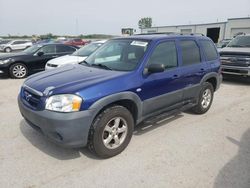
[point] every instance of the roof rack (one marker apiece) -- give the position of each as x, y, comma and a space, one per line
171, 33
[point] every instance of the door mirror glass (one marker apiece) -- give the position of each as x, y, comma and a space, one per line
155, 68
40, 53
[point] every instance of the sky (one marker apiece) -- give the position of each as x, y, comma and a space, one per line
74, 17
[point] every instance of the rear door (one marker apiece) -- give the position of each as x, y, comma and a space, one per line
162, 90
64, 50
17, 45
193, 67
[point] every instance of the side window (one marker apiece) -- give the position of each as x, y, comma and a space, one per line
209, 50
63, 49
49, 49
18, 42
190, 52
165, 53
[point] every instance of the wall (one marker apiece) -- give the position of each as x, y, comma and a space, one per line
227, 29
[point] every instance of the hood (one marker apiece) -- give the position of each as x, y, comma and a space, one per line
228, 50
13, 55
67, 59
71, 78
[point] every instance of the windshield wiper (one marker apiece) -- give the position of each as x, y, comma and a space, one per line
85, 62
101, 66
236, 45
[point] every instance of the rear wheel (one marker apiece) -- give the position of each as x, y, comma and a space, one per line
111, 131
205, 99
18, 71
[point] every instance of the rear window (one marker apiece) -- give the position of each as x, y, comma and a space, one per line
190, 52
209, 50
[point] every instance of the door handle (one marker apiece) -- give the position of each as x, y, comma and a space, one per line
175, 76
55, 56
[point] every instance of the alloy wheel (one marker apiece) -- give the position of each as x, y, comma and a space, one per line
114, 133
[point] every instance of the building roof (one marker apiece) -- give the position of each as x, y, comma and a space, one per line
185, 25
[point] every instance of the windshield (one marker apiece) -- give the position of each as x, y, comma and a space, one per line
32, 49
87, 50
120, 55
240, 41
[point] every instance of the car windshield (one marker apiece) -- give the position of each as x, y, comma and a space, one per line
32, 49
118, 54
240, 41
87, 50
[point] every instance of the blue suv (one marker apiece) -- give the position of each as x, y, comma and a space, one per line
128, 80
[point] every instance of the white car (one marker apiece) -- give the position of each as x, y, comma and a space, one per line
77, 57
15, 45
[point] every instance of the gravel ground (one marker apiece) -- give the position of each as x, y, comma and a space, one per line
211, 150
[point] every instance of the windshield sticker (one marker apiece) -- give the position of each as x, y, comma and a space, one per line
139, 43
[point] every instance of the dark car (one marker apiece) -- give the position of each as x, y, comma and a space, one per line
124, 82
33, 59
235, 58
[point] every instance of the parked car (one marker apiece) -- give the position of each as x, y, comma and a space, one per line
127, 81
235, 58
75, 42
33, 59
77, 57
15, 45
2, 42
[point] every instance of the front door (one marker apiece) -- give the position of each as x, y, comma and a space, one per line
162, 90
39, 62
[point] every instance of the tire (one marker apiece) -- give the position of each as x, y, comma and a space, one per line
205, 99
18, 71
8, 49
111, 132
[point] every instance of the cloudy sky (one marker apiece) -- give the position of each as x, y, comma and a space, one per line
109, 16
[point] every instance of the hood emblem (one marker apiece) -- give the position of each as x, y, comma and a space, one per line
27, 96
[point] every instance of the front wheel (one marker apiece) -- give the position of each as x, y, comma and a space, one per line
7, 50
205, 99
111, 131
18, 71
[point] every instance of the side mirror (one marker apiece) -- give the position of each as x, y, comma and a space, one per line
155, 68
223, 45
40, 53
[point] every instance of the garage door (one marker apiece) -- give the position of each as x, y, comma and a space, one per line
234, 31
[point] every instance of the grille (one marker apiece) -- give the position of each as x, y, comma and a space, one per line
235, 59
32, 100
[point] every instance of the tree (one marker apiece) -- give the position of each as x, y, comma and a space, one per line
145, 23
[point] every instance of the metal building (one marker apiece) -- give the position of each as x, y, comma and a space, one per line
216, 31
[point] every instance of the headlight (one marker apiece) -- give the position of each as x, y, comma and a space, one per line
64, 103
6, 61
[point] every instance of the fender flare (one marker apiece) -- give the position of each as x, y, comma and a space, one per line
105, 101
212, 75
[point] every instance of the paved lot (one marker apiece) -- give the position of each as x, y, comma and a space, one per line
211, 150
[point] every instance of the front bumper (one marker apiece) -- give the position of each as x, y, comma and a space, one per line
235, 70
4, 69
66, 129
